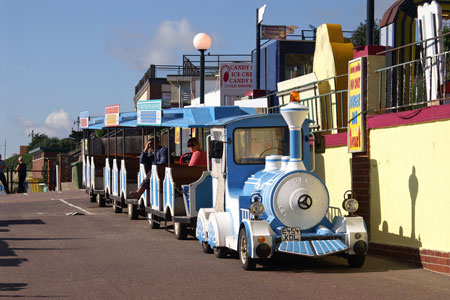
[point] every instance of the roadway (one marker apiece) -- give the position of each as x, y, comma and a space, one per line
45, 253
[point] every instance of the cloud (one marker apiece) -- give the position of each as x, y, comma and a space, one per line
138, 50
56, 124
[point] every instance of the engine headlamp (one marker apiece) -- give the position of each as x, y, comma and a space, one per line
257, 208
351, 205
256, 198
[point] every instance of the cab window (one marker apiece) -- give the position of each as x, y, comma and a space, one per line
252, 145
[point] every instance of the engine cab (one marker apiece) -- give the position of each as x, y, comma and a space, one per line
267, 200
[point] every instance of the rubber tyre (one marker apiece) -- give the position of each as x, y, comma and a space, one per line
180, 231
206, 248
356, 261
100, 200
116, 207
247, 263
132, 212
220, 252
93, 198
153, 224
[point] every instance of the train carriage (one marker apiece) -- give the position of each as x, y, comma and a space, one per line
266, 202
93, 161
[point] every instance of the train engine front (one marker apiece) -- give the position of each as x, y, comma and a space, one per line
289, 206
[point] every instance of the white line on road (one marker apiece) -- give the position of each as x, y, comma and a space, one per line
77, 207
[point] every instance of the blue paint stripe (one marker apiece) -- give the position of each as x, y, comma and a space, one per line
302, 247
296, 248
283, 246
308, 248
290, 247
325, 247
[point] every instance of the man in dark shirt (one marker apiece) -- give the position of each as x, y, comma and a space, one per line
22, 170
2, 175
159, 156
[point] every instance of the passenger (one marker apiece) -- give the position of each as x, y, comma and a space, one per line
159, 156
198, 157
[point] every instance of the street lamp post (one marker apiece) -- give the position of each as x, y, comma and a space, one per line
202, 42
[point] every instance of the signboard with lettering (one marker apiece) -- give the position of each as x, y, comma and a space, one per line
236, 77
149, 112
274, 32
84, 119
356, 132
112, 115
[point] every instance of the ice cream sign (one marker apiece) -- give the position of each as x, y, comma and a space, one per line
236, 76
356, 136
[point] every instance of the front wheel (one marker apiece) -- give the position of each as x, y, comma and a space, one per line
220, 252
100, 200
117, 207
356, 261
132, 212
152, 220
247, 262
180, 231
206, 248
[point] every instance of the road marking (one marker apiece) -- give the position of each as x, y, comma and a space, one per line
77, 207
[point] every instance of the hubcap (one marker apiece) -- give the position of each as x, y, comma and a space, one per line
243, 249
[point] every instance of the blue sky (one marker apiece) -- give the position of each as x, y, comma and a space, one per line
60, 57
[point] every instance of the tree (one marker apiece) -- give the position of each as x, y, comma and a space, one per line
359, 34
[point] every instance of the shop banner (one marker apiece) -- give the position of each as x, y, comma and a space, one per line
274, 32
236, 77
149, 112
356, 131
84, 120
112, 115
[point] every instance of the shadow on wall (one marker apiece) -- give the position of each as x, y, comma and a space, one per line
386, 235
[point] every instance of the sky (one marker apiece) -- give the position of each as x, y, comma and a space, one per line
61, 57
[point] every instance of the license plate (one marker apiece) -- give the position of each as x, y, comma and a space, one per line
290, 234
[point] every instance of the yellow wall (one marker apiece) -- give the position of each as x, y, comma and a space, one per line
410, 186
334, 167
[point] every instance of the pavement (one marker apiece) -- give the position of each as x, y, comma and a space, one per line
46, 251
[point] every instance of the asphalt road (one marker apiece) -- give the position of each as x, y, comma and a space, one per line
100, 255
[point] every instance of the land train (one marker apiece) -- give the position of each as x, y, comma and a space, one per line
257, 195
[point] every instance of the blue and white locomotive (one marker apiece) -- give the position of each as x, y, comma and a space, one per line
266, 202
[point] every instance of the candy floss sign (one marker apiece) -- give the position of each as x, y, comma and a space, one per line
236, 77
356, 137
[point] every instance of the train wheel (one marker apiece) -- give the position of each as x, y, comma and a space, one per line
100, 200
220, 252
206, 248
132, 212
93, 197
180, 231
117, 208
356, 261
151, 219
246, 262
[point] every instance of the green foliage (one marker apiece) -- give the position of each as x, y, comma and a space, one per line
359, 34
42, 140
13, 161
100, 133
44, 173
446, 29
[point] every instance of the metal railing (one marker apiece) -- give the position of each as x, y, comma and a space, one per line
45, 181
327, 104
416, 83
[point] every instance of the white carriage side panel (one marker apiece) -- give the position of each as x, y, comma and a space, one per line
123, 179
107, 177
88, 172
141, 177
115, 178
217, 171
169, 192
154, 189
232, 207
84, 172
92, 173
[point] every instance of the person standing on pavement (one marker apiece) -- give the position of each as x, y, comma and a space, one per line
2, 175
22, 170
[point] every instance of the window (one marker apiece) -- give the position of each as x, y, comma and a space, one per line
252, 145
298, 65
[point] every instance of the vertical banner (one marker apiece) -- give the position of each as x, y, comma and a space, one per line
177, 135
84, 120
149, 112
356, 131
112, 115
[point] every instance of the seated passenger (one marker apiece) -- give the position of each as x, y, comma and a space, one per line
159, 156
198, 157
